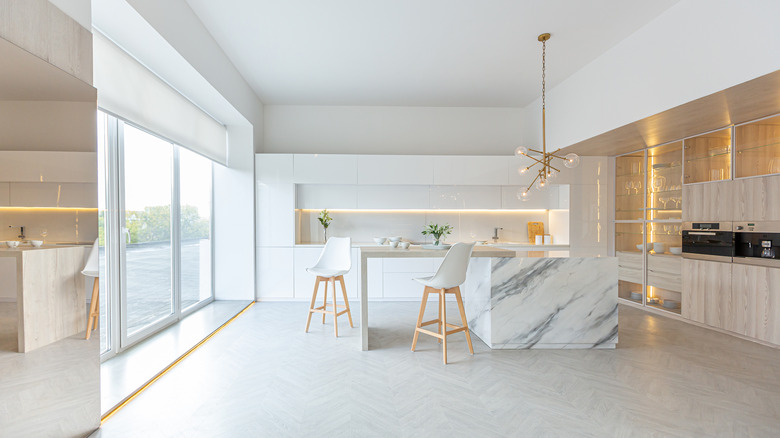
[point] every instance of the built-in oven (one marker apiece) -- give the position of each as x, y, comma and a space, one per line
757, 243
708, 241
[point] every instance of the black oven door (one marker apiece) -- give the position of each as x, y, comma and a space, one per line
708, 243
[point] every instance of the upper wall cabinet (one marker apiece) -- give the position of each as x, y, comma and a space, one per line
757, 199
549, 198
325, 169
471, 171
274, 168
708, 202
321, 196
630, 186
391, 197
48, 166
757, 148
708, 157
465, 197
395, 169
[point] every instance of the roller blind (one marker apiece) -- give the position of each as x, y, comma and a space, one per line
131, 91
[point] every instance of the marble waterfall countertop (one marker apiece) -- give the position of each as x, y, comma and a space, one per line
543, 302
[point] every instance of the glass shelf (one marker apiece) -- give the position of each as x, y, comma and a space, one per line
708, 157
757, 148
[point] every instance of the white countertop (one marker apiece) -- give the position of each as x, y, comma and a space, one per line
10, 252
513, 245
381, 251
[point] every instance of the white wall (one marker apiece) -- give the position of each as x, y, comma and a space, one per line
234, 220
392, 130
693, 49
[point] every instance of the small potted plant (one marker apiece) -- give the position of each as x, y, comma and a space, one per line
325, 220
439, 232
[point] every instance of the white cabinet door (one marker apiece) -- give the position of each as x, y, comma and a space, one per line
465, 197
318, 197
5, 199
470, 170
274, 168
275, 273
37, 166
395, 169
538, 199
412, 264
402, 285
374, 277
392, 197
70, 195
325, 169
275, 218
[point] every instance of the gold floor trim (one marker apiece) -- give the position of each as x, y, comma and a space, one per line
132, 396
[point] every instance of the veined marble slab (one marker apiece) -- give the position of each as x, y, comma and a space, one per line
553, 303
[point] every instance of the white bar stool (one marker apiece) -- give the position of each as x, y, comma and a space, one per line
449, 277
334, 262
92, 269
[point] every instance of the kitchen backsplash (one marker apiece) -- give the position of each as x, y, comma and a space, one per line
63, 225
363, 226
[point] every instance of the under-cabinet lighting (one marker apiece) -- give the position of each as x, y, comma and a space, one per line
414, 210
50, 209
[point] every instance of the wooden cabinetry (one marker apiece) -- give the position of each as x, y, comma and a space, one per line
706, 291
708, 202
708, 157
757, 148
756, 199
755, 302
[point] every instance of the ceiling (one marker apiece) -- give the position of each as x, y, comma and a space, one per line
468, 53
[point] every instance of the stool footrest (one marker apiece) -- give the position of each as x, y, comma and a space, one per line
428, 332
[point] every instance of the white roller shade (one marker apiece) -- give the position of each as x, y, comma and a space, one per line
129, 90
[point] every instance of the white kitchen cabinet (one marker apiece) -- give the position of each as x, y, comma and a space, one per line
401, 285
393, 197
318, 197
275, 278
5, 199
48, 166
70, 195
375, 273
325, 169
413, 264
274, 168
395, 169
275, 215
465, 197
547, 198
470, 170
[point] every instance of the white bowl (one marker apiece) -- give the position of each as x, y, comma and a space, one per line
659, 247
12, 243
36, 243
648, 246
394, 243
676, 250
404, 245
394, 239
380, 240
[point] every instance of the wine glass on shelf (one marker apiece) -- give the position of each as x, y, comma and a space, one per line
629, 185
662, 200
44, 233
637, 186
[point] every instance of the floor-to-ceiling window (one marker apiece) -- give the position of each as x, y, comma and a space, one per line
155, 228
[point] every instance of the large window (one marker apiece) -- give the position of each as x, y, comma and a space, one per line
155, 232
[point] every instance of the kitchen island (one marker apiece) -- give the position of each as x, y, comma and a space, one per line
516, 300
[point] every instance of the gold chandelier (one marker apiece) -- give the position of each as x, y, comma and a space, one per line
546, 172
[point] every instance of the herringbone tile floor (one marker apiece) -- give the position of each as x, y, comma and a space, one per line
262, 376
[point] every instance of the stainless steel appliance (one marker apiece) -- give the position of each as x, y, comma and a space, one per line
708, 241
757, 243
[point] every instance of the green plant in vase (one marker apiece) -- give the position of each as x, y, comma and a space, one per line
325, 220
439, 232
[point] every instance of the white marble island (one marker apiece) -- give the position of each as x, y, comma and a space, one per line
543, 302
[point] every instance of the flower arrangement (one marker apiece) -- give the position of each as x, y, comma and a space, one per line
325, 220
439, 232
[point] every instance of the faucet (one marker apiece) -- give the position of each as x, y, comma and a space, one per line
495, 234
21, 231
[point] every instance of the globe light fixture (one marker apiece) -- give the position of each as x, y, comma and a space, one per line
546, 171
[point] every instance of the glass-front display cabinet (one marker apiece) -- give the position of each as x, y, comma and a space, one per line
630, 186
708, 157
629, 249
757, 148
664, 182
664, 265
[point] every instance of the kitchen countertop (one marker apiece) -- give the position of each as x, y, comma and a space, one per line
12, 252
418, 251
521, 246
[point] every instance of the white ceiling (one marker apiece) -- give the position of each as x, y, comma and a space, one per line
415, 52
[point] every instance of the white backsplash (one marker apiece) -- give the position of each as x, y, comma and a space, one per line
63, 225
363, 226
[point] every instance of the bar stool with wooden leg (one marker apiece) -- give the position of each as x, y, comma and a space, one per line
449, 277
335, 261
92, 269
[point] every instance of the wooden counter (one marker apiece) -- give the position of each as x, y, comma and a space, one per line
50, 294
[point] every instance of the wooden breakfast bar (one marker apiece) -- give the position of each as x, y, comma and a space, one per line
50, 294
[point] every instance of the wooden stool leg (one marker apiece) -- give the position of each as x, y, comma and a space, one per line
335, 308
420, 316
94, 308
313, 300
445, 328
463, 318
346, 301
443, 306
325, 300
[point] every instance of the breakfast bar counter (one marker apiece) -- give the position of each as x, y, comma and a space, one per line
50, 294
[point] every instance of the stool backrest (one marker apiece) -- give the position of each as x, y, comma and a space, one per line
452, 271
92, 268
336, 255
